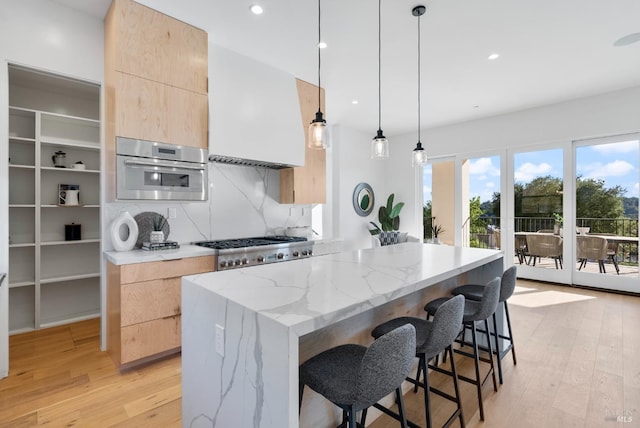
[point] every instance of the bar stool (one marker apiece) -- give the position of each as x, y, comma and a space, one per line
507, 286
432, 338
476, 311
354, 377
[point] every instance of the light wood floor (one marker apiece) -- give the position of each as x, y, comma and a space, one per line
578, 365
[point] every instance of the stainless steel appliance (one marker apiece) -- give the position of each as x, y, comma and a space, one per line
156, 171
245, 252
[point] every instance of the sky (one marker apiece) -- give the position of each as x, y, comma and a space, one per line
616, 163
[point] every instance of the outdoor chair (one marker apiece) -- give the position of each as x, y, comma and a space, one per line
544, 245
593, 248
612, 251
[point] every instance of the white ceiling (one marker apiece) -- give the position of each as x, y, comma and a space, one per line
550, 51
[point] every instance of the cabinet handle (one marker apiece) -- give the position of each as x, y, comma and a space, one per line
2, 277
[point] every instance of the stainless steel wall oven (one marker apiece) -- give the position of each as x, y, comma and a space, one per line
157, 171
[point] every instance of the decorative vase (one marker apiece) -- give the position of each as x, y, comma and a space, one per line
125, 239
436, 241
156, 236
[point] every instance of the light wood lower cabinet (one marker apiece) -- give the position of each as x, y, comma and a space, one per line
143, 308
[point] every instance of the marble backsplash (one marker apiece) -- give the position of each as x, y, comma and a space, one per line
243, 202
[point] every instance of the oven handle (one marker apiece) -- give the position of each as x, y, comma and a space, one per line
162, 163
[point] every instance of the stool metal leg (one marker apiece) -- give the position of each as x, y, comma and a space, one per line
455, 386
474, 339
513, 348
493, 371
427, 405
401, 412
498, 351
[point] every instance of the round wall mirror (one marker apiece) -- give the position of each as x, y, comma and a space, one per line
363, 199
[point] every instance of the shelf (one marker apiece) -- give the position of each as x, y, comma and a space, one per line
55, 279
13, 165
18, 284
71, 206
66, 142
80, 241
52, 281
21, 140
22, 245
52, 168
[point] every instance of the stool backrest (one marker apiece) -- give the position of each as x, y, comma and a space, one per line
446, 325
385, 365
508, 283
489, 302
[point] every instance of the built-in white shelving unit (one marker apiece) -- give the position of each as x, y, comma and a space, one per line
52, 281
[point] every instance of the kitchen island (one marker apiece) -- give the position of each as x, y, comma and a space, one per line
245, 331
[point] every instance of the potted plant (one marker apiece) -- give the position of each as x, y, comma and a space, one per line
436, 230
389, 217
157, 234
557, 226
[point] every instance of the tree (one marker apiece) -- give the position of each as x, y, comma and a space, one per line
477, 224
593, 200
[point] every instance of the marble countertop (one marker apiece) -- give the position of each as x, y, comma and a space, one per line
318, 291
142, 256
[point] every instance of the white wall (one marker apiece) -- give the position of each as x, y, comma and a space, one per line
44, 35
352, 164
607, 114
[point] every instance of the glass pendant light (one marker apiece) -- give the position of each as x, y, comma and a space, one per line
379, 144
419, 157
318, 126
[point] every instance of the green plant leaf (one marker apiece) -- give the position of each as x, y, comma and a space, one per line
390, 202
395, 212
364, 203
396, 223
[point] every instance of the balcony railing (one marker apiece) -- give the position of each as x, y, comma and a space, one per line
482, 231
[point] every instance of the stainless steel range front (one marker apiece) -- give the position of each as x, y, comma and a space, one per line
245, 252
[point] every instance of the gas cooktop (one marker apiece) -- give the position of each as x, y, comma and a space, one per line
249, 242
245, 252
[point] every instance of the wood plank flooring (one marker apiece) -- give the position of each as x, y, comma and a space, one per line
578, 365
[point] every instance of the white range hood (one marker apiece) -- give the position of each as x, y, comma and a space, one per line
254, 112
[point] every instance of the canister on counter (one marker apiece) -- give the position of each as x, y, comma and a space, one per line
72, 232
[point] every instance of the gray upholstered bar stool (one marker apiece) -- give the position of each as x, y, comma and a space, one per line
432, 338
474, 312
355, 377
507, 286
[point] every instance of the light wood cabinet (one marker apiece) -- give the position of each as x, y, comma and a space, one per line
144, 308
306, 184
156, 80
158, 47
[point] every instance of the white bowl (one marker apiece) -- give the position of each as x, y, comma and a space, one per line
583, 230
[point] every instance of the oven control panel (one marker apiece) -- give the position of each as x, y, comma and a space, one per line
262, 255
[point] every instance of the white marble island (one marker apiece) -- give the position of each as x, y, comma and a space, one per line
275, 316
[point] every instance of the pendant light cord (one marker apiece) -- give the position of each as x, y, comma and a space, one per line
379, 65
419, 79
319, 56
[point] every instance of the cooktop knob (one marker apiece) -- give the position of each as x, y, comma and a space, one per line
260, 259
223, 264
280, 256
238, 262
310, 252
245, 261
295, 254
305, 253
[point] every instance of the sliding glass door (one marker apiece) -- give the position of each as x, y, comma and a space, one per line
537, 204
606, 212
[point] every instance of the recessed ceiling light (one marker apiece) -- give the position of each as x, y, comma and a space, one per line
256, 9
627, 40
493, 56
322, 45
354, 102
476, 106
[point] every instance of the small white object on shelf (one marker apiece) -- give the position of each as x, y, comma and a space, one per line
124, 219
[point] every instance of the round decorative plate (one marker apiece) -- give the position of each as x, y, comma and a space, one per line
145, 222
